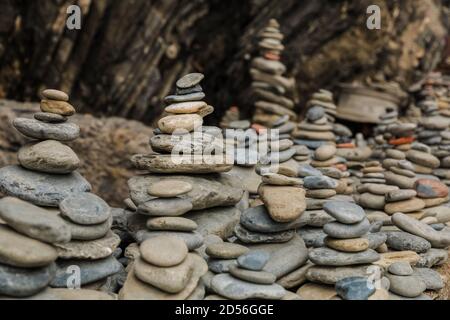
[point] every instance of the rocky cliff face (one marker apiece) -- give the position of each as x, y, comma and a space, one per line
104, 147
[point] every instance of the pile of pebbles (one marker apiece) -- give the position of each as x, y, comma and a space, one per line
53, 225
272, 90
163, 269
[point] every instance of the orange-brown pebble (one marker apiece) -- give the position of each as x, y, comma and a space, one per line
402, 140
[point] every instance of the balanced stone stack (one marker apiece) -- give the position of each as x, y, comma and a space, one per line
281, 194
273, 91
324, 98
372, 190
79, 233
47, 171
248, 280
423, 162
184, 191
348, 249
163, 269
403, 282
315, 130
326, 161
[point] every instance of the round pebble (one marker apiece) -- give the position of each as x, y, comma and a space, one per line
85, 208
164, 251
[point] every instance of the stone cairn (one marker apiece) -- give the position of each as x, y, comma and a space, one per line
181, 201
39, 245
273, 91
348, 249
315, 130
163, 269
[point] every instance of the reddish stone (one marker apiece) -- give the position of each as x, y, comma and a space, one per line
348, 145
400, 141
271, 56
258, 127
429, 188
234, 109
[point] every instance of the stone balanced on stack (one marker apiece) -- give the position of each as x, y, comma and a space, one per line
315, 130
348, 249
47, 177
191, 188
273, 91
163, 270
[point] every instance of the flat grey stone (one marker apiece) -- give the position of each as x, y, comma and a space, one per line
258, 277
346, 231
34, 221
232, 288
432, 278
90, 271
193, 240
219, 221
196, 96
354, 288
159, 207
400, 268
406, 286
248, 236
438, 239
221, 265
89, 232
403, 241
41, 189
208, 191
345, 212
330, 275
24, 282
319, 182
330, 257
85, 208
253, 260
36, 129
433, 257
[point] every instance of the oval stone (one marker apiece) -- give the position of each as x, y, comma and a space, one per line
346, 231
429, 188
190, 80
21, 282
85, 208
169, 188
180, 122
226, 250
186, 107
330, 257
49, 117
164, 251
345, 212
53, 94
171, 224
34, 221
62, 108
19, 251
48, 156
42, 189
36, 129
